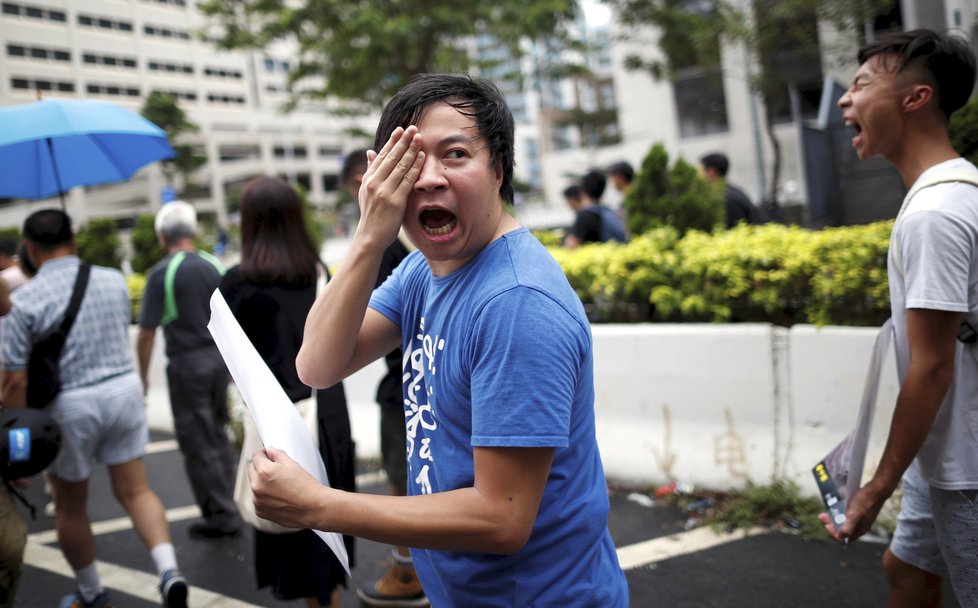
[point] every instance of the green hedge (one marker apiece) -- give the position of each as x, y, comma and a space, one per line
768, 273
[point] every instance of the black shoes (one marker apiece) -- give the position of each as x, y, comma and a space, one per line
204, 530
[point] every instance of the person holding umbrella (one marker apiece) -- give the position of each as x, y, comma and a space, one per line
100, 408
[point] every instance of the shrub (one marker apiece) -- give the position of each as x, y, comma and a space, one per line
676, 196
137, 285
550, 238
615, 280
98, 243
760, 273
10, 231
146, 249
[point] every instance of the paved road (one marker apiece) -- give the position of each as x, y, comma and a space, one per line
665, 566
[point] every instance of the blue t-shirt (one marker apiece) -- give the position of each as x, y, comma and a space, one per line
498, 354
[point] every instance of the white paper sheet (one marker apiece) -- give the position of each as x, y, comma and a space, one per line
277, 420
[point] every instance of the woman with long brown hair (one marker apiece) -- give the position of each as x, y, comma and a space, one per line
270, 293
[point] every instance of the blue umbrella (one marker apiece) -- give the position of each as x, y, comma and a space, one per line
53, 145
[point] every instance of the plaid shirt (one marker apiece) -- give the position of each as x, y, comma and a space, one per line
98, 345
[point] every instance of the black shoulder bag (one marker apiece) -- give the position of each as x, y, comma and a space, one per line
44, 364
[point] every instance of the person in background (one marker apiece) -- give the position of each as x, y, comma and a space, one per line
400, 585
621, 175
24, 263
573, 196
899, 103
594, 223
508, 503
13, 528
270, 293
10, 270
177, 297
100, 408
737, 203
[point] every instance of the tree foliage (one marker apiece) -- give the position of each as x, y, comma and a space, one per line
146, 249
98, 243
163, 110
363, 52
675, 196
964, 130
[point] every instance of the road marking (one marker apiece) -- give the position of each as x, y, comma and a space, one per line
119, 524
155, 447
674, 545
39, 554
133, 582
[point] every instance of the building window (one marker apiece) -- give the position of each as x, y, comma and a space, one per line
275, 66
165, 32
180, 3
109, 61
112, 90
561, 138
31, 84
33, 12
104, 24
330, 151
173, 68
700, 103
232, 99
16, 50
232, 152
184, 95
795, 59
331, 182
296, 152
223, 73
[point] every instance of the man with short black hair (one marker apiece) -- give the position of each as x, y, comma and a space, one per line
507, 504
100, 408
738, 205
594, 223
621, 174
898, 104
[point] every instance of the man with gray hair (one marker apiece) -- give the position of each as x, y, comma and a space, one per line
177, 297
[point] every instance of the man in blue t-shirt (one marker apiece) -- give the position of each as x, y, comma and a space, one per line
507, 501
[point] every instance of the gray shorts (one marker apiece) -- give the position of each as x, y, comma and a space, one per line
937, 531
104, 422
915, 539
956, 520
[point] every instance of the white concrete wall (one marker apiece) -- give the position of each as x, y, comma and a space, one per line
711, 405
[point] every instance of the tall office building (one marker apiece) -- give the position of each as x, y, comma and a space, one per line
121, 51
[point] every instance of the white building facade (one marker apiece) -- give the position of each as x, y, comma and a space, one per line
120, 51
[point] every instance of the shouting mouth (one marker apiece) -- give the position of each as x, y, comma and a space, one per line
857, 139
438, 222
